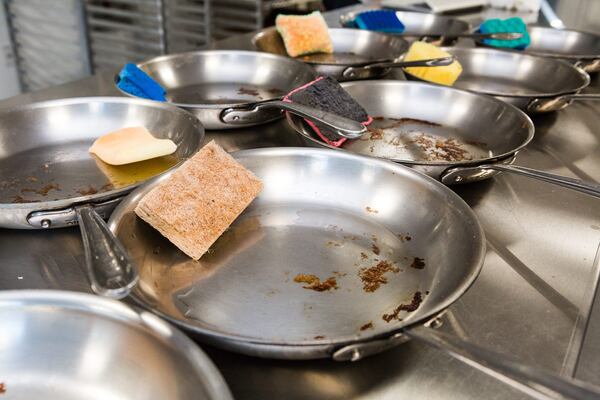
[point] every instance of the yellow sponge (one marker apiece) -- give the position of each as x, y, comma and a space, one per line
441, 75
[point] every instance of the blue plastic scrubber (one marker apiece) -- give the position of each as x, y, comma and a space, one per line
502, 26
379, 20
137, 83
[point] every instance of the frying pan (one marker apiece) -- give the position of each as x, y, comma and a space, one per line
452, 135
431, 28
228, 89
579, 47
358, 54
331, 215
532, 83
60, 345
49, 180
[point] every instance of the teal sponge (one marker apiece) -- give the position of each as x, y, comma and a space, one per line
506, 26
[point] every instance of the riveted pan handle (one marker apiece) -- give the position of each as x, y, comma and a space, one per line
345, 127
558, 103
365, 71
460, 175
110, 271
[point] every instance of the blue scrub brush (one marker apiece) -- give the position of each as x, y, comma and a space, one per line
136, 82
379, 20
508, 25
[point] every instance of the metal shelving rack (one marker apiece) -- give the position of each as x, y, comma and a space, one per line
232, 17
49, 42
122, 31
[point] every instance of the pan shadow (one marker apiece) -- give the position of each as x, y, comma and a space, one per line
473, 193
251, 377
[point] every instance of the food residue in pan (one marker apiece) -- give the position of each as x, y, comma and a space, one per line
363, 256
404, 237
319, 337
418, 263
248, 91
42, 191
21, 199
416, 140
2, 388
373, 277
314, 282
412, 306
371, 210
32, 179
368, 325
375, 249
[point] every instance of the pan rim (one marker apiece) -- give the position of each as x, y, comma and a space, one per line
341, 65
294, 120
546, 54
131, 318
532, 95
213, 106
349, 17
469, 214
110, 194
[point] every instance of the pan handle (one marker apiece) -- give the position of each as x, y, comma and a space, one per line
560, 102
364, 71
345, 127
109, 269
459, 174
536, 382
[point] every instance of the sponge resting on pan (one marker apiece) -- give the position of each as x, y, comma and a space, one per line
325, 93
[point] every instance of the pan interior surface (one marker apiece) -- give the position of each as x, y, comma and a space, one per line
427, 124
351, 47
226, 77
505, 73
45, 147
336, 248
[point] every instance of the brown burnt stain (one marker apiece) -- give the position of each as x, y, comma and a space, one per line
43, 191
106, 187
371, 210
412, 306
363, 255
319, 337
376, 133
375, 249
437, 149
32, 179
87, 191
9, 183
21, 200
368, 325
314, 283
373, 277
331, 243
248, 91
2, 387
404, 238
476, 143
339, 274
275, 92
418, 263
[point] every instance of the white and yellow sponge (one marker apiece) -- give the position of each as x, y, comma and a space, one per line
441, 75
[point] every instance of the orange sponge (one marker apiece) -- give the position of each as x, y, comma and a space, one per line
304, 34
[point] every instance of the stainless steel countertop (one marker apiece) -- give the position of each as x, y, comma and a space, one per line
530, 301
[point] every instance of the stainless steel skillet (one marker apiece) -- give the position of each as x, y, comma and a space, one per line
437, 29
48, 179
391, 248
358, 54
228, 89
532, 83
578, 47
451, 135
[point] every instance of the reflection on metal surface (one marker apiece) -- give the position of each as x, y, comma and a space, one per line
546, 290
